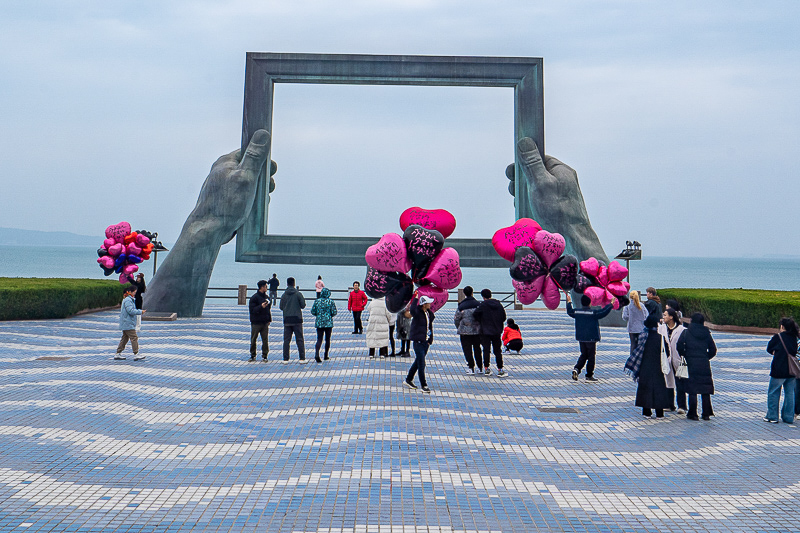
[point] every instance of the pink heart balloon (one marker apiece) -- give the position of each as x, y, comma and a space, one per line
389, 254
618, 288
445, 269
439, 296
528, 291
439, 219
118, 232
106, 261
108, 243
590, 266
133, 249
129, 269
602, 276
549, 246
142, 240
521, 233
598, 296
116, 249
551, 295
616, 272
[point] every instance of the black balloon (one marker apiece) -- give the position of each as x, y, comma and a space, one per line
107, 271
378, 284
565, 272
422, 246
583, 282
398, 298
101, 252
526, 266
623, 300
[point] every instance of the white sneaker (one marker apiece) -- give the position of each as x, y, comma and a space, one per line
470, 371
680, 411
303, 361
502, 373
284, 362
119, 357
137, 357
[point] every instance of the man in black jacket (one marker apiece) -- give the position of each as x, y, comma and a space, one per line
421, 335
492, 316
273, 283
260, 318
587, 333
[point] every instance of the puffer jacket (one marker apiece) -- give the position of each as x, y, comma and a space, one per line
377, 331
465, 320
324, 309
698, 347
127, 314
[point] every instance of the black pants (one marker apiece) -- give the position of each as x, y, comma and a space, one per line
418, 366
493, 342
588, 351
471, 346
514, 344
383, 350
391, 337
706, 399
649, 412
634, 340
261, 330
297, 330
680, 394
405, 346
358, 327
326, 332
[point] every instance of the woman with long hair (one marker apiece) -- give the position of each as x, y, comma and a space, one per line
634, 313
782, 346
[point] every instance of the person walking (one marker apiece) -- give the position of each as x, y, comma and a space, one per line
274, 283
292, 305
782, 346
319, 285
356, 303
392, 323
403, 332
634, 313
670, 330
646, 366
260, 318
378, 327
491, 316
421, 334
587, 333
512, 336
469, 331
324, 309
698, 348
127, 324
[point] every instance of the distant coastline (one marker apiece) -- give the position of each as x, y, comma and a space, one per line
27, 237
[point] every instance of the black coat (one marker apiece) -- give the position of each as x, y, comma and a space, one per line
258, 314
697, 346
652, 392
654, 313
492, 317
140, 288
780, 361
420, 326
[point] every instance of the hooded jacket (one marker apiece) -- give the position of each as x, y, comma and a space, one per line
377, 332
464, 318
292, 305
491, 316
324, 309
698, 347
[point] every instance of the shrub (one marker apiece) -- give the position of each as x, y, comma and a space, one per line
736, 307
35, 298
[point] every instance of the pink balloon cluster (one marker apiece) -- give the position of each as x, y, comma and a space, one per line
419, 251
122, 250
538, 267
603, 284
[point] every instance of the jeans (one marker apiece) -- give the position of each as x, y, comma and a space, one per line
634, 340
774, 398
297, 330
420, 350
471, 346
588, 351
261, 330
494, 342
326, 332
358, 327
273, 296
706, 399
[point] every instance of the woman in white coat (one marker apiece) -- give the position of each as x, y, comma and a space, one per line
670, 329
378, 327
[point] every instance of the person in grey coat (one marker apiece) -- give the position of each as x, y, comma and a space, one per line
469, 329
127, 324
292, 305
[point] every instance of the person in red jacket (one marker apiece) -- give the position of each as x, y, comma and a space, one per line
512, 337
356, 303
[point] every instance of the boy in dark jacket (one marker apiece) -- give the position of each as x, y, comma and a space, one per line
260, 318
492, 317
587, 333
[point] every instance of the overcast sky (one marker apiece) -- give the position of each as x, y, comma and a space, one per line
681, 118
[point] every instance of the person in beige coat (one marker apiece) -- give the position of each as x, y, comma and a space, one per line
670, 329
378, 327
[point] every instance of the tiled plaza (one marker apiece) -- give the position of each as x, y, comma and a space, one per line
197, 437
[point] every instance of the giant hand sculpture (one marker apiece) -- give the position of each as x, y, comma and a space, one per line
556, 201
225, 201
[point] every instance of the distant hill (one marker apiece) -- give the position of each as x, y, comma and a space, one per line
26, 237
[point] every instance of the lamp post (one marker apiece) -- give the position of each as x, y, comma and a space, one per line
632, 252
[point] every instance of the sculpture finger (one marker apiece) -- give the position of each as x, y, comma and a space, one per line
531, 160
256, 153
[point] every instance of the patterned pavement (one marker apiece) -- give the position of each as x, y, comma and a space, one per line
197, 437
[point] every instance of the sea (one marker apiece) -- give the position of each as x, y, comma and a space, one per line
659, 272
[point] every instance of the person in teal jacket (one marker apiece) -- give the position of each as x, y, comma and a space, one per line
127, 323
324, 309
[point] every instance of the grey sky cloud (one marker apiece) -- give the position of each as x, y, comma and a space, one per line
681, 119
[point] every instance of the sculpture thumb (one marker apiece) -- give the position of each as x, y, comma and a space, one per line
256, 153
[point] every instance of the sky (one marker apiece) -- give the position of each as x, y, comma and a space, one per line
681, 118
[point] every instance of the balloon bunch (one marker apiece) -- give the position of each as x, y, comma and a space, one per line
420, 251
603, 284
122, 250
539, 266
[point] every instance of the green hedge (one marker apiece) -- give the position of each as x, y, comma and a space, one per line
737, 307
33, 298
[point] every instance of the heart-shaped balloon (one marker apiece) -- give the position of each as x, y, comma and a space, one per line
549, 246
439, 296
583, 282
445, 269
590, 266
422, 245
130, 238
145, 256
526, 266
107, 271
437, 219
148, 248
521, 233
602, 276
134, 259
132, 249
389, 254
619, 288
107, 262
551, 295
116, 249
565, 272
398, 298
101, 252
378, 284
528, 291
108, 243
142, 240
129, 270
616, 272
118, 231
598, 296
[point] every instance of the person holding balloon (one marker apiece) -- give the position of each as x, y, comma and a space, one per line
421, 334
587, 333
127, 324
